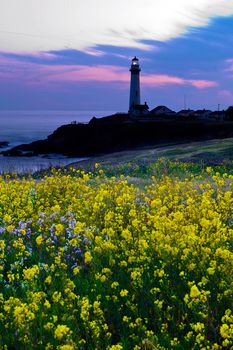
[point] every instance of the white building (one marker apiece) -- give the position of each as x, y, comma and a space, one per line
185, 112
162, 110
135, 106
135, 69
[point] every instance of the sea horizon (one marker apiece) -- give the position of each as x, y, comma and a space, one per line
25, 126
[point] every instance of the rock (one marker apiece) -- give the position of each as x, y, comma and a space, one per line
4, 144
119, 132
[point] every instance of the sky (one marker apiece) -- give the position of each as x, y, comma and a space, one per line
76, 54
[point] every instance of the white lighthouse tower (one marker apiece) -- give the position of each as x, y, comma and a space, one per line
134, 98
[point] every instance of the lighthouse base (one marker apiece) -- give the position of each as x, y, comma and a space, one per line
138, 110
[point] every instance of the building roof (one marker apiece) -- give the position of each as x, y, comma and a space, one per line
185, 111
159, 108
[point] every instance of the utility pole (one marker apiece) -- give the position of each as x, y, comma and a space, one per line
185, 104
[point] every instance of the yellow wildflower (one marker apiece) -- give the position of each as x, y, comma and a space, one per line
39, 240
87, 257
31, 272
124, 292
61, 331
194, 291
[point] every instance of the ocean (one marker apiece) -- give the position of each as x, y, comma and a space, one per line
19, 127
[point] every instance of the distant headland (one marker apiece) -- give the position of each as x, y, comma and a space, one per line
138, 128
122, 131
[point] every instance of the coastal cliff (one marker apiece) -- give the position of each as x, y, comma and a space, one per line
119, 132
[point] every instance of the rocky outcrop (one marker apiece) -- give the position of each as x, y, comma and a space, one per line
120, 132
4, 144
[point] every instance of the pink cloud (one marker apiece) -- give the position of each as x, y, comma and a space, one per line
34, 73
36, 54
104, 73
160, 80
100, 73
202, 84
225, 93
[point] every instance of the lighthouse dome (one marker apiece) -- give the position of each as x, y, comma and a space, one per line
135, 61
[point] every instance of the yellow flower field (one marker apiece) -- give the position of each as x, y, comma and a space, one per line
95, 262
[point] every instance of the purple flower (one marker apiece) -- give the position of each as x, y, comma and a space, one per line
51, 230
2, 229
72, 223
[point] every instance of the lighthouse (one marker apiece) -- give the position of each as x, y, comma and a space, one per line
135, 107
134, 99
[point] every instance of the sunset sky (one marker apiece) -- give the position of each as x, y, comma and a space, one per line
75, 54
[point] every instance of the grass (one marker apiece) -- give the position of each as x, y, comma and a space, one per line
211, 152
172, 160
